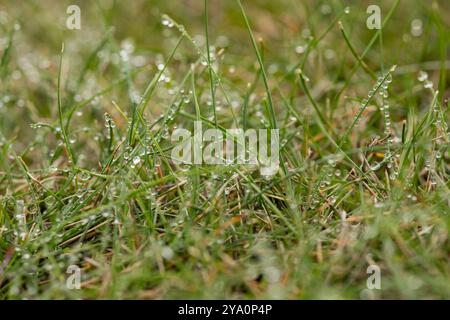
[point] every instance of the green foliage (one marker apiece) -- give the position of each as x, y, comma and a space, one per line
85, 171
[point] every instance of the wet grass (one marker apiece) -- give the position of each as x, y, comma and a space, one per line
86, 176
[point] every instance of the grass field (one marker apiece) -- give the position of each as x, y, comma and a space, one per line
87, 179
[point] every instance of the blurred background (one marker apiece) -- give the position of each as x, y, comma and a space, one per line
410, 39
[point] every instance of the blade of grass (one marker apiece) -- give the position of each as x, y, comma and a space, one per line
211, 77
60, 111
272, 119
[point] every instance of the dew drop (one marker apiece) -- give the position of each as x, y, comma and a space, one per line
422, 76
84, 176
428, 84
136, 161
300, 49
167, 23
376, 167
416, 28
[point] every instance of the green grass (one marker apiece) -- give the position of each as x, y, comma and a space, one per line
86, 176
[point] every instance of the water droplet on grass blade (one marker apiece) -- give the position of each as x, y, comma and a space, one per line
300, 49
416, 28
167, 23
376, 167
422, 76
135, 162
84, 176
